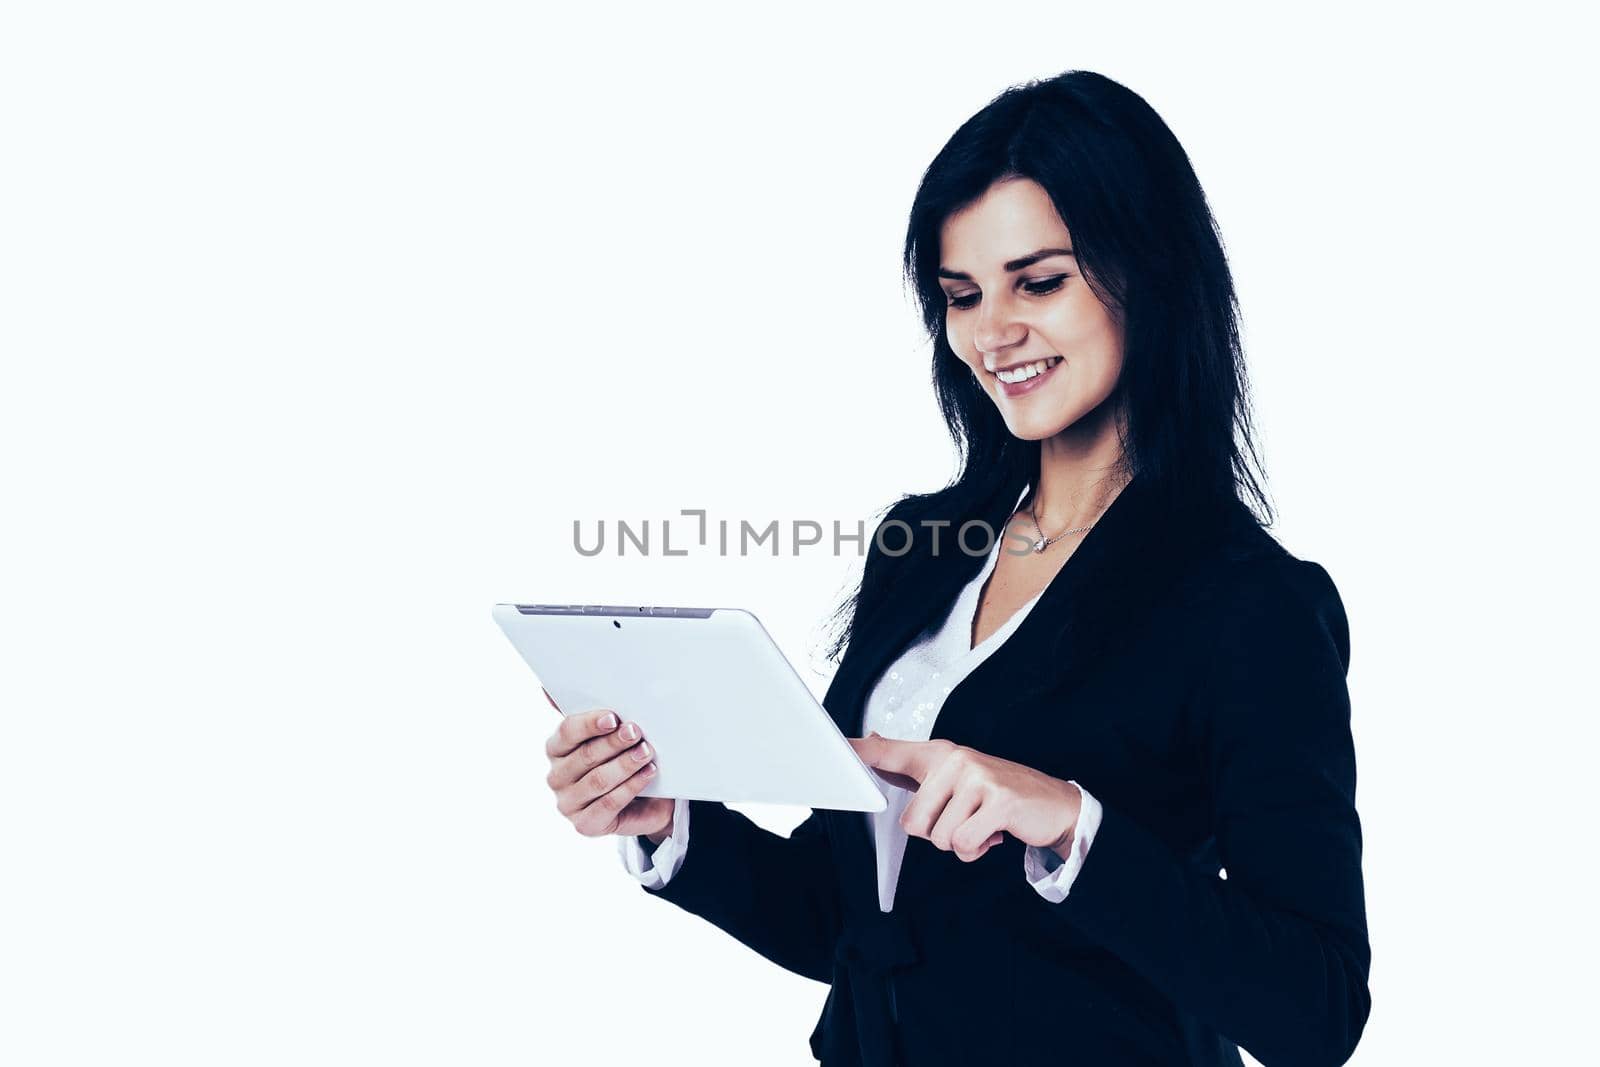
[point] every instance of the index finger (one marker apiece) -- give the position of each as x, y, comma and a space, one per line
576, 729
914, 759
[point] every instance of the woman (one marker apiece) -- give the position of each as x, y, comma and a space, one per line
1122, 826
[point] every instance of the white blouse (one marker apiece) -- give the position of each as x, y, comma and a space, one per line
904, 704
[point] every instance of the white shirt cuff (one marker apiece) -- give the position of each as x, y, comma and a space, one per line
1046, 871
653, 869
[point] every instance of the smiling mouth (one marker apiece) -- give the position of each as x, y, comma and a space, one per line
1025, 372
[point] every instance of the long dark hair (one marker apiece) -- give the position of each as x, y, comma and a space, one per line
1148, 246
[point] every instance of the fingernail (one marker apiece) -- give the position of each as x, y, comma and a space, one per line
609, 721
630, 731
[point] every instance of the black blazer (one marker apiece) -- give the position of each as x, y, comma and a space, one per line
1193, 680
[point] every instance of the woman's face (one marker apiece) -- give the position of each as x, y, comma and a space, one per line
1010, 306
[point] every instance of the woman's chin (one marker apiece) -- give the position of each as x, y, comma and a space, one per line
1032, 427
1040, 421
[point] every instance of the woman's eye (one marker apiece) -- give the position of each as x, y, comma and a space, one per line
1045, 285
1041, 287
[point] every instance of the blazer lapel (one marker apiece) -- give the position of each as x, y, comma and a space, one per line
1093, 604
1106, 586
1132, 555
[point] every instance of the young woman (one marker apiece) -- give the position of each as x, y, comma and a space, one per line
1110, 707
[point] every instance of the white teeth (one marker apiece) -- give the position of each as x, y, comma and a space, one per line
1027, 370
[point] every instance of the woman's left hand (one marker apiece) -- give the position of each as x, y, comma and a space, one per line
966, 801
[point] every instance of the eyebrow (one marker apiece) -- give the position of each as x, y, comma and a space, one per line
1013, 265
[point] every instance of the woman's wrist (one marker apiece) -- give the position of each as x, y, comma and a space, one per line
1062, 846
655, 837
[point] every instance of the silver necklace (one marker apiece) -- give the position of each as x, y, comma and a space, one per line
1045, 542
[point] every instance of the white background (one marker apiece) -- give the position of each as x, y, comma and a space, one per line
323, 322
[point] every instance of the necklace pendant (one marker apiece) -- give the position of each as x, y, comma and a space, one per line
1039, 545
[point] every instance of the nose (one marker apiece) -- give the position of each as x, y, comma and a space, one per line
997, 328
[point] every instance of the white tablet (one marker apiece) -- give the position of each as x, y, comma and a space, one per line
729, 717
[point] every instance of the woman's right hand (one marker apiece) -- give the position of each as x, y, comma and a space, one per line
596, 772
